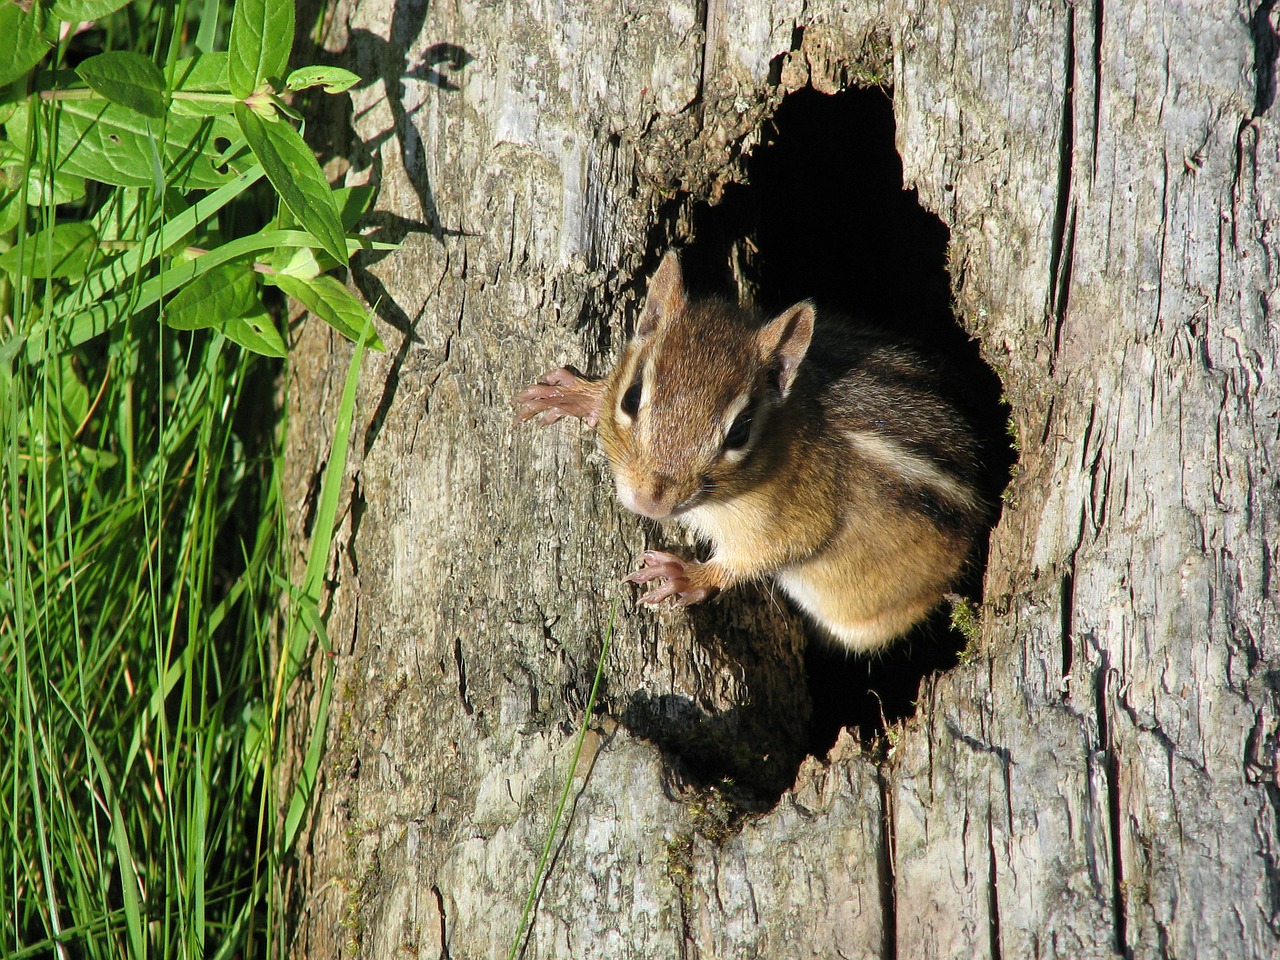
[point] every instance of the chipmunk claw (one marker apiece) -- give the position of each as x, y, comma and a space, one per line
680, 576
562, 392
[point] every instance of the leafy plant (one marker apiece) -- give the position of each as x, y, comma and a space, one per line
140, 507
180, 141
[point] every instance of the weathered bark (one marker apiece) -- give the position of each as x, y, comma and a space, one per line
1098, 777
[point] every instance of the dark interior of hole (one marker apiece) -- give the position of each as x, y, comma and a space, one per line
824, 217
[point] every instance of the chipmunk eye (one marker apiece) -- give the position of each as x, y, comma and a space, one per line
740, 432
631, 400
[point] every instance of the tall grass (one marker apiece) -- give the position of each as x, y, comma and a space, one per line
139, 545
141, 525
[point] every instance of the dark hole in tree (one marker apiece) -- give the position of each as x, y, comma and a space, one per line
824, 216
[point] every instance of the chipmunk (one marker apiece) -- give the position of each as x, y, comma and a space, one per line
806, 450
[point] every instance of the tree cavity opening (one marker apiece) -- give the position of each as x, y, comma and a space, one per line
823, 216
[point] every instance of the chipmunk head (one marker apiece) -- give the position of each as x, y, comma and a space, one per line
685, 412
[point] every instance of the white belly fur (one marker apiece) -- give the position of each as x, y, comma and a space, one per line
859, 633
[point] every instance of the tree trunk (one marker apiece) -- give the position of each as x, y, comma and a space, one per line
1097, 776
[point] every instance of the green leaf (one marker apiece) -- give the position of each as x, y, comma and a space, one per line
260, 43
331, 302
126, 78
293, 171
52, 423
11, 209
332, 79
76, 11
102, 459
255, 331
27, 40
298, 262
354, 202
60, 251
200, 86
44, 187
213, 298
115, 145
45, 190
73, 395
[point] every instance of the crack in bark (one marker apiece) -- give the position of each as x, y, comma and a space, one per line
1157, 320
1064, 217
1247, 124
888, 884
679, 872
982, 746
713, 13
1099, 483
1167, 743
1062, 293
1111, 771
1266, 48
1268, 854
444, 940
1048, 420
462, 676
1066, 621
993, 897
1066, 612
1003, 754
1097, 79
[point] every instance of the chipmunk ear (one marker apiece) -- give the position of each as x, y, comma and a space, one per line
784, 341
666, 296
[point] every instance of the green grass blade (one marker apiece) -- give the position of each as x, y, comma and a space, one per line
304, 789
554, 829
126, 865
140, 512
100, 317
306, 615
330, 492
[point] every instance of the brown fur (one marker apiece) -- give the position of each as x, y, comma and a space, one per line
856, 491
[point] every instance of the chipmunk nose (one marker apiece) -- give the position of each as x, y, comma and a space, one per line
656, 496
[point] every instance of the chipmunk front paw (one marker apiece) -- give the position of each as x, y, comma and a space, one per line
562, 392
687, 581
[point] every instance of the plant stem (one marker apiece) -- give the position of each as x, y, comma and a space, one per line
86, 93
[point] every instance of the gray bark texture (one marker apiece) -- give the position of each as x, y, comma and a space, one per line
1097, 777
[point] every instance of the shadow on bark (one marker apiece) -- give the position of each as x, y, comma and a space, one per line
749, 753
